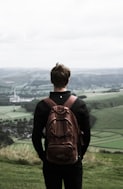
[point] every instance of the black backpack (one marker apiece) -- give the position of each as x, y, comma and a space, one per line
62, 133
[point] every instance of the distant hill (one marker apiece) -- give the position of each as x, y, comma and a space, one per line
36, 82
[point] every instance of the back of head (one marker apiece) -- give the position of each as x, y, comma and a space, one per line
60, 75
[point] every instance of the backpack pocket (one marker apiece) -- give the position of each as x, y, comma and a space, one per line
61, 154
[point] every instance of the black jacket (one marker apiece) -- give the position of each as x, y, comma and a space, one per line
41, 115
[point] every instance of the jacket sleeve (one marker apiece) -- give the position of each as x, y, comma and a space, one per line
40, 119
83, 117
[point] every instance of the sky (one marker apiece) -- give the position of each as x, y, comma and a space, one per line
76, 33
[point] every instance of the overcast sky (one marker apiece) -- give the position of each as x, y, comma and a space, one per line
77, 33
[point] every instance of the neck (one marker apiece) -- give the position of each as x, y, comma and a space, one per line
59, 89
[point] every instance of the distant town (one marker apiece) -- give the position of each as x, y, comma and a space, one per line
25, 85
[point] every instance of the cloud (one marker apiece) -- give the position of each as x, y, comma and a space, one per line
40, 33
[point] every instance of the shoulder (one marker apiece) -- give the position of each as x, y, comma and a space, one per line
79, 102
80, 106
42, 107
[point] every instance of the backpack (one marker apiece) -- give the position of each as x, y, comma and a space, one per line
62, 133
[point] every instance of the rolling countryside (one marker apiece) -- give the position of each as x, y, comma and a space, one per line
21, 168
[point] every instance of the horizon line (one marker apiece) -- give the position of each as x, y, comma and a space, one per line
72, 68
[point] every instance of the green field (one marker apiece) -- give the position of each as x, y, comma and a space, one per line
13, 112
109, 118
108, 129
98, 168
106, 139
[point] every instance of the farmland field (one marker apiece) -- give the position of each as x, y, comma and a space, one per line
108, 129
107, 132
107, 139
13, 112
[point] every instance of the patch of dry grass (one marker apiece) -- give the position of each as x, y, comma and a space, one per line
22, 152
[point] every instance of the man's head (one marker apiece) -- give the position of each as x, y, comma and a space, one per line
60, 75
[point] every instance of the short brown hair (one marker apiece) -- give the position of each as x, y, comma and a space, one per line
60, 75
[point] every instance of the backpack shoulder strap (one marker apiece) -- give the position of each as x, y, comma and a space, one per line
70, 101
50, 102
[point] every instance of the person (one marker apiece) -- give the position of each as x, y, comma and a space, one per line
55, 175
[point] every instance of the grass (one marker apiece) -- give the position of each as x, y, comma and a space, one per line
110, 139
21, 151
98, 168
99, 96
108, 129
18, 176
13, 112
104, 173
21, 168
109, 118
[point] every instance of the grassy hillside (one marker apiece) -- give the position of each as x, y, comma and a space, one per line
107, 132
98, 169
109, 118
13, 112
101, 100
